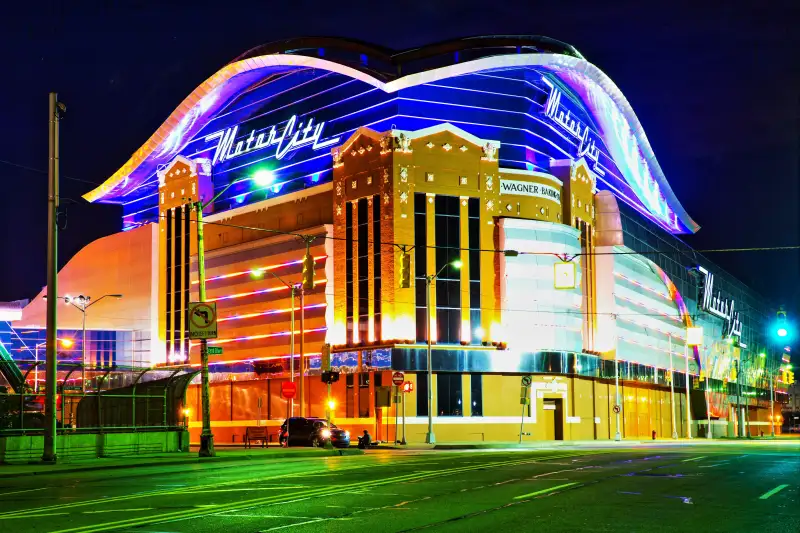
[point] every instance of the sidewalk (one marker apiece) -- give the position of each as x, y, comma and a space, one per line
166, 459
588, 444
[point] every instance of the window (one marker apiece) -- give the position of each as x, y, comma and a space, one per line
449, 395
363, 269
376, 261
422, 394
474, 210
363, 395
476, 394
448, 284
349, 269
349, 401
420, 263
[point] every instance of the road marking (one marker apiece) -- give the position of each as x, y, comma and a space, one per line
21, 491
117, 510
694, 459
773, 492
298, 496
36, 512
545, 491
25, 517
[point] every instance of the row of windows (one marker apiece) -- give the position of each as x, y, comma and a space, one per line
450, 395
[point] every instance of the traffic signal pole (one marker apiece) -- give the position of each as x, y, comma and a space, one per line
206, 436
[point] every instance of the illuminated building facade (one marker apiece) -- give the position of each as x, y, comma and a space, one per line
508, 154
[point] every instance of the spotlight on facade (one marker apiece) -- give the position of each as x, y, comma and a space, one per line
263, 177
66, 343
257, 272
457, 264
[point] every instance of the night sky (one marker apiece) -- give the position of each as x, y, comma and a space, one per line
717, 91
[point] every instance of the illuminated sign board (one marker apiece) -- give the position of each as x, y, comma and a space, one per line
527, 188
569, 123
719, 307
293, 137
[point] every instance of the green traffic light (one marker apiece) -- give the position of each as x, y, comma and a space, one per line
782, 332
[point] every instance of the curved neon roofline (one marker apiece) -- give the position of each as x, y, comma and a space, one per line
599, 93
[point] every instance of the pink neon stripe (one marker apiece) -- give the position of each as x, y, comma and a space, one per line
287, 356
261, 291
274, 312
266, 268
257, 337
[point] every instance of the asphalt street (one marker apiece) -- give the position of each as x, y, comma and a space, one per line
747, 487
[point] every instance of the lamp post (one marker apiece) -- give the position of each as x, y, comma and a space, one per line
709, 433
66, 343
83, 303
672, 389
293, 288
430, 438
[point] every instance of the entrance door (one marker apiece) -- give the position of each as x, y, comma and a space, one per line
553, 419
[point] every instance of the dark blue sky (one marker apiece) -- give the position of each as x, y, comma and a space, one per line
716, 90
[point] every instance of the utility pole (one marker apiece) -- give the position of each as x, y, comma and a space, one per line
302, 352
49, 454
688, 400
771, 401
206, 436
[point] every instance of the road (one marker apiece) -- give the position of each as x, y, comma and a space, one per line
708, 488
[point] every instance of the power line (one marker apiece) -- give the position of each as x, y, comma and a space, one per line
494, 251
39, 171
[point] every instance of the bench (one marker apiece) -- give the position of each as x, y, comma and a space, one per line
256, 433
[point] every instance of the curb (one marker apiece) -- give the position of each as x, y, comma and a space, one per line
182, 461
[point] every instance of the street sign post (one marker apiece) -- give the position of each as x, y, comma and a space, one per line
202, 320
524, 400
406, 387
397, 378
288, 389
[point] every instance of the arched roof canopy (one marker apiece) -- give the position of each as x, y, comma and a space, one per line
395, 71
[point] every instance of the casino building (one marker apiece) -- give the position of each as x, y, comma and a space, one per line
513, 156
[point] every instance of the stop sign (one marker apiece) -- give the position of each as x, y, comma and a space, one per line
397, 378
288, 389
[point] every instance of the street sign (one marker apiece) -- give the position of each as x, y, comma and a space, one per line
202, 320
397, 378
288, 389
214, 350
408, 386
526, 381
617, 409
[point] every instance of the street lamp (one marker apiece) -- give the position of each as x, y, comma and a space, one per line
430, 438
83, 303
293, 287
66, 343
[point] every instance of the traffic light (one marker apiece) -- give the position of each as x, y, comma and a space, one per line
308, 271
405, 271
781, 328
330, 377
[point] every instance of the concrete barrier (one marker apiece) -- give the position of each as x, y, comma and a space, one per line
26, 448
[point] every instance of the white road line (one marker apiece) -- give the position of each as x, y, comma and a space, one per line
21, 491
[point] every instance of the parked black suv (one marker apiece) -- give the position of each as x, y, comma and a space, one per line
313, 432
